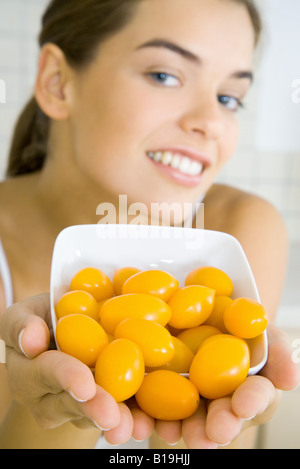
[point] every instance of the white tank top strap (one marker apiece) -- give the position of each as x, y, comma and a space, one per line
6, 277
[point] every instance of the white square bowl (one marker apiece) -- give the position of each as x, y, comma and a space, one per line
174, 250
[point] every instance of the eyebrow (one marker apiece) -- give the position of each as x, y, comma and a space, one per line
165, 44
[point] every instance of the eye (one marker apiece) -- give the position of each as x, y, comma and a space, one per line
165, 79
230, 102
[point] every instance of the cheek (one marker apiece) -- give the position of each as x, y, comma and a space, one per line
229, 140
99, 131
118, 121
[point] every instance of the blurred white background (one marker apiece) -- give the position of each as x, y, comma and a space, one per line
266, 163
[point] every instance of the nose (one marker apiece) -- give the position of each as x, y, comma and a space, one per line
203, 117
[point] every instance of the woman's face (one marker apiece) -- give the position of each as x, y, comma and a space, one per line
154, 115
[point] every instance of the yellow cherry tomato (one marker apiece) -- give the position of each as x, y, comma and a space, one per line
166, 395
134, 305
81, 337
245, 318
154, 340
195, 336
120, 276
181, 360
120, 369
191, 306
100, 304
94, 281
220, 366
77, 302
155, 282
216, 319
211, 277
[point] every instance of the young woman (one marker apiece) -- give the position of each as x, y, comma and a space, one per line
120, 84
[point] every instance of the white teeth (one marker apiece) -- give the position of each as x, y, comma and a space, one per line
157, 156
184, 164
175, 163
196, 167
167, 158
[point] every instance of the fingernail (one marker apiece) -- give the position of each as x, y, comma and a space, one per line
248, 420
77, 398
100, 428
20, 343
226, 444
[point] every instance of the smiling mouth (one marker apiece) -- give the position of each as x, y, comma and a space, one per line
181, 163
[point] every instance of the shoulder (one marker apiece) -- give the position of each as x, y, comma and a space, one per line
230, 209
261, 231
5, 201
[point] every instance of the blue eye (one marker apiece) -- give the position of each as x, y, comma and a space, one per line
230, 102
165, 79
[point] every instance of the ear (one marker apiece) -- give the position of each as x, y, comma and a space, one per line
53, 83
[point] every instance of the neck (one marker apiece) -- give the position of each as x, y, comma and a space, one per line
65, 195
66, 199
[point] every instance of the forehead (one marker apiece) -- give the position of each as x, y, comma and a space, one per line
212, 29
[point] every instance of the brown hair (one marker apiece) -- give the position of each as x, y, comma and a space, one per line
77, 27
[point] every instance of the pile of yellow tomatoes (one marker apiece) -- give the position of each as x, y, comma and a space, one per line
145, 336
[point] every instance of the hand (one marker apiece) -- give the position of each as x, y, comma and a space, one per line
55, 387
255, 402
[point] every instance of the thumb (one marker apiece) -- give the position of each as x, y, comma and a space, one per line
23, 326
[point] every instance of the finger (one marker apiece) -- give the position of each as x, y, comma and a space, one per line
23, 326
194, 432
102, 410
39, 305
85, 424
280, 367
253, 397
143, 424
54, 410
59, 371
50, 373
222, 425
123, 432
169, 431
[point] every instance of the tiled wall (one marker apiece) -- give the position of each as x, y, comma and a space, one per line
273, 175
19, 26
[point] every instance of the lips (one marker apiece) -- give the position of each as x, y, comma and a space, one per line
184, 165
